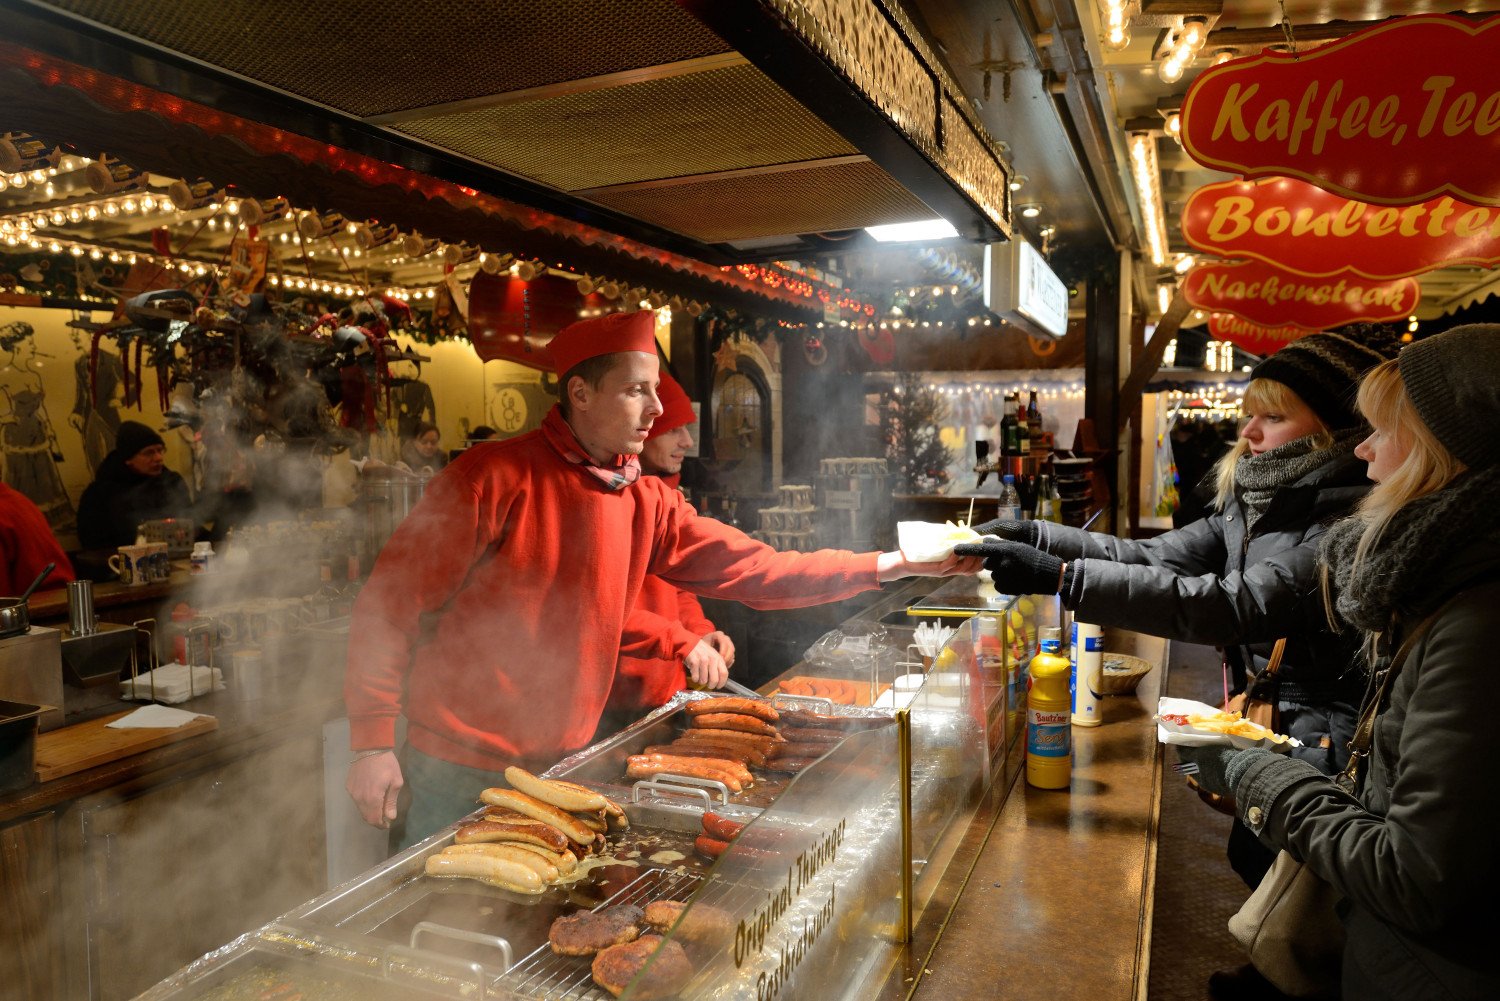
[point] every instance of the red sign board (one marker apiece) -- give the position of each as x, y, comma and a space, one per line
1303, 229
514, 320
1271, 297
1252, 337
1396, 114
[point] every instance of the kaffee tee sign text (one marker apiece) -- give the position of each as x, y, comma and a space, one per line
1403, 112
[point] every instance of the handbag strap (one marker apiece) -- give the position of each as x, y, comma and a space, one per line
1274, 664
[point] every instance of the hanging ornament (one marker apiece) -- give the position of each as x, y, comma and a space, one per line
814, 350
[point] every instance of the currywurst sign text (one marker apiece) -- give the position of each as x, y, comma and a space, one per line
1252, 337
1399, 113
1304, 229
1274, 298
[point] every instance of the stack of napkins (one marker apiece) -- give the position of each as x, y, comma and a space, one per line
154, 717
173, 683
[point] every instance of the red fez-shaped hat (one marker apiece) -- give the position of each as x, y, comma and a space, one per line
603, 335
676, 408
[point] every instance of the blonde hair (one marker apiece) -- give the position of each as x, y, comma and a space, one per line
1263, 396
1427, 468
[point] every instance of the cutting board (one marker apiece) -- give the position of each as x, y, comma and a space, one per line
85, 745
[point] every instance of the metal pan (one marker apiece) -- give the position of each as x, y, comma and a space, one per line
15, 616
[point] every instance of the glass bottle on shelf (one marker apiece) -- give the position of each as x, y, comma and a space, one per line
1034, 421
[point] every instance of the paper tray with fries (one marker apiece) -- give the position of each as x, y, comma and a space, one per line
1197, 724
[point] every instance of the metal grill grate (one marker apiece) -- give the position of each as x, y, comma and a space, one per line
819, 199
369, 57
544, 974
721, 119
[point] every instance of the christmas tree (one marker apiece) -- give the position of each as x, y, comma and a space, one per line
911, 417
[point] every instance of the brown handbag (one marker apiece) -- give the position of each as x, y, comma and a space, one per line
1260, 711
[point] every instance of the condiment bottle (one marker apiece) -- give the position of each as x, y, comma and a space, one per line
201, 560
1086, 661
1049, 738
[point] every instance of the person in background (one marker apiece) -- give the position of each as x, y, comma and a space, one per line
493, 617
667, 637
424, 450
482, 433
133, 485
1245, 575
27, 545
1418, 567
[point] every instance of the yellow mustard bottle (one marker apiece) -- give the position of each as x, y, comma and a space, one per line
1049, 727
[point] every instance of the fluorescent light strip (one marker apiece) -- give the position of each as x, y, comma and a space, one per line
927, 229
1148, 187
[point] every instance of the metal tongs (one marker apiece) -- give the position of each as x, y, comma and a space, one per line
734, 686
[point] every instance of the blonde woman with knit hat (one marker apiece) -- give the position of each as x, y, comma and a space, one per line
1411, 849
1245, 576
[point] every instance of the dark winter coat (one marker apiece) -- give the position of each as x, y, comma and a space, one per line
1414, 853
1208, 583
120, 499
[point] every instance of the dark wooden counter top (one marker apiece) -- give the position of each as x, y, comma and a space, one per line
1058, 898
298, 703
51, 606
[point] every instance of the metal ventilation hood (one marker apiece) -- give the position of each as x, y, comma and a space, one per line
728, 130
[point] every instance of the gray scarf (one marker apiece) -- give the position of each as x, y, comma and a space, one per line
1411, 563
1258, 477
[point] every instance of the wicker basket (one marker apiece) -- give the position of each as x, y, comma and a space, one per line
1121, 673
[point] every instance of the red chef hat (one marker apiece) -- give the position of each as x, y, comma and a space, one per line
603, 335
676, 408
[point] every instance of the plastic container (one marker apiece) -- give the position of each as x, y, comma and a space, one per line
1049, 737
202, 559
1086, 665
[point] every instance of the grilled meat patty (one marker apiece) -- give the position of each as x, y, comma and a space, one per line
586, 932
617, 966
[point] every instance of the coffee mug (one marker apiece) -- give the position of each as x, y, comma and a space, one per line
131, 566
161, 566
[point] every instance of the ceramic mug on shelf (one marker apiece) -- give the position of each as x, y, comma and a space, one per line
158, 560
131, 565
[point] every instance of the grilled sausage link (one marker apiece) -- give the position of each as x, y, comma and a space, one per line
734, 721
760, 708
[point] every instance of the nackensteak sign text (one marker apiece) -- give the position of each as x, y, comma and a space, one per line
1271, 297
1399, 113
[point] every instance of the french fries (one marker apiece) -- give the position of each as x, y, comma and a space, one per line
1233, 723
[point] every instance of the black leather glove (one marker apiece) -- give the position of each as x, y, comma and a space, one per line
1016, 567
1013, 531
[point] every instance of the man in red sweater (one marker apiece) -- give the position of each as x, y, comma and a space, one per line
27, 545
492, 619
667, 631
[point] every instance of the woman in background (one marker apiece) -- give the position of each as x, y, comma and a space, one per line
1246, 575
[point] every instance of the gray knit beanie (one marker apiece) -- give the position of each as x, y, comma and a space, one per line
1453, 379
1325, 369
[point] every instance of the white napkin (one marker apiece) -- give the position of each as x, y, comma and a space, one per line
172, 683
154, 717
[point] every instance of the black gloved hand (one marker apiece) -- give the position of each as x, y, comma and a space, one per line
1017, 568
1012, 531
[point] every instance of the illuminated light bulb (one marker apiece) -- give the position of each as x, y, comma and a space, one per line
1194, 34
1184, 264
111, 209
132, 259
38, 177
1171, 69
232, 206
58, 218
148, 204
286, 237
302, 283
3, 182
274, 280
18, 180
75, 215
1031, 210
91, 213
76, 251
54, 246
1174, 124
1117, 38
128, 205
1017, 182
